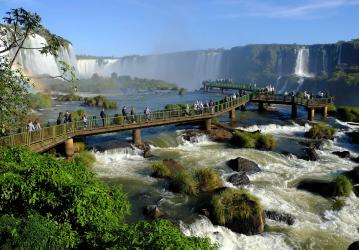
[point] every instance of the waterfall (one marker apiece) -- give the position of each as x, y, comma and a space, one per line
34, 63
340, 54
301, 64
188, 69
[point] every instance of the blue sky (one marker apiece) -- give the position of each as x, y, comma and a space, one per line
126, 27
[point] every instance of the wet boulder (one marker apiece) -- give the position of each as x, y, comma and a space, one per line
342, 154
316, 144
192, 135
323, 188
239, 179
146, 149
280, 217
237, 210
354, 246
152, 212
246, 166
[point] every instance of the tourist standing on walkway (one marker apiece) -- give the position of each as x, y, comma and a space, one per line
66, 116
133, 113
69, 118
103, 115
37, 125
84, 120
59, 119
30, 126
147, 113
124, 113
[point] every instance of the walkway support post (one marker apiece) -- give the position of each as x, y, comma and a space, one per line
222, 90
208, 124
261, 106
69, 148
311, 114
136, 136
232, 114
325, 112
294, 110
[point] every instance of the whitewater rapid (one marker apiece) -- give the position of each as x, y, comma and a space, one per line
317, 226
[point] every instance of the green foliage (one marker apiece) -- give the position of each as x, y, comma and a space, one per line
100, 101
40, 101
159, 234
69, 98
265, 142
243, 139
15, 100
338, 204
348, 114
208, 179
233, 204
184, 182
79, 147
77, 115
62, 191
36, 232
343, 186
215, 120
321, 131
177, 106
86, 158
160, 170
256, 140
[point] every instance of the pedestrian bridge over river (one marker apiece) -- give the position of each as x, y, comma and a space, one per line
49, 137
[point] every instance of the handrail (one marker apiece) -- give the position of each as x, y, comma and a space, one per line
56, 133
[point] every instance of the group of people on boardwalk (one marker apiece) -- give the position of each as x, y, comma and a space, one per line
33, 126
200, 107
66, 117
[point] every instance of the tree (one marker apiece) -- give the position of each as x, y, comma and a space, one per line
17, 26
49, 203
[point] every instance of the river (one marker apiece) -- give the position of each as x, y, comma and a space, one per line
316, 226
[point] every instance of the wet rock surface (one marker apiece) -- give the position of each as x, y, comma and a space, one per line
239, 179
243, 165
280, 217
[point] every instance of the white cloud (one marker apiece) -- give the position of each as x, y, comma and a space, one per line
306, 9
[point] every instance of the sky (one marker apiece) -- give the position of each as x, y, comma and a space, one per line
141, 27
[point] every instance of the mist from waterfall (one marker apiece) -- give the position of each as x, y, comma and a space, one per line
187, 69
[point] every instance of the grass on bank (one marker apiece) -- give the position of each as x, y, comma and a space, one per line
234, 204
184, 182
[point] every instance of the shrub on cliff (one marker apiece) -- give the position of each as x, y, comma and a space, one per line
184, 182
208, 179
69, 98
100, 101
321, 131
343, 186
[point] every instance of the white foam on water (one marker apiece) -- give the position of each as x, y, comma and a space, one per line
228, 240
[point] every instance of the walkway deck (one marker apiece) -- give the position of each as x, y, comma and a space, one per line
49, 137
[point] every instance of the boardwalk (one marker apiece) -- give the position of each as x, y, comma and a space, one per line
49, 137
207, 85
